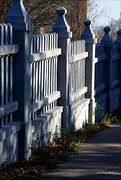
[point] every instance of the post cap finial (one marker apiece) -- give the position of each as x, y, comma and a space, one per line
106, 40
88, 33
107, 29
118, 40
119, 32
87, 22
61, 10
61, 24
18, 17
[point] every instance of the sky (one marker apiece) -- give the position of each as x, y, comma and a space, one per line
113, 8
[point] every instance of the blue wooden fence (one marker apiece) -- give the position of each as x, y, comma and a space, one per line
48, 82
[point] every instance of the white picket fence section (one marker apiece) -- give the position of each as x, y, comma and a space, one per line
7, 49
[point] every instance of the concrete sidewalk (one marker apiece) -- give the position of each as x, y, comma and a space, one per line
100, 158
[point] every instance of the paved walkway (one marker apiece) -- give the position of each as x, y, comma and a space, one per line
100, 158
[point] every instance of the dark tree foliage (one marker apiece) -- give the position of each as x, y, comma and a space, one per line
43, 14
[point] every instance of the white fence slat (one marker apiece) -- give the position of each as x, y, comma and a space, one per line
39, 80
2, 70
42, 84
10, 36
44, 77
56, 73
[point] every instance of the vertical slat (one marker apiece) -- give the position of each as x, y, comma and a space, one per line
74, 82
70, 71
56, 74
84, 74
51, 75
49, 64
36, 71
77, 75
10, 35
42, 72
33, 78
54, 44
47, 70
54, 66
51, 67
5, 70
2, 68
6, 65
31, 72
2, 72
56, 40
39, 80
72, 77
78, 51
79, 78
44, 78
38, 68
81, 73
35, 67
10, 38
31, 66
47, 77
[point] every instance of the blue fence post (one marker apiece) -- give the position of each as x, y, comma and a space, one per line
90, 39
19, 19
118, 44
108, 45
63, 30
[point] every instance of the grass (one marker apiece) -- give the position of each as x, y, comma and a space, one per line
47, 158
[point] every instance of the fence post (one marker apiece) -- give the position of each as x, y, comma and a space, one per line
108, 45
63, 30
19, 19
90, 39
118, 44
